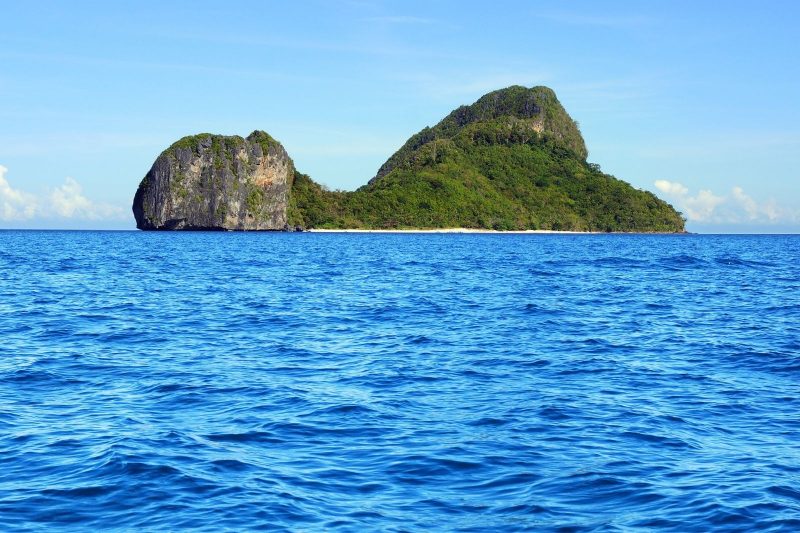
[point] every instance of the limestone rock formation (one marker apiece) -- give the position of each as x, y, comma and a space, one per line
216, 182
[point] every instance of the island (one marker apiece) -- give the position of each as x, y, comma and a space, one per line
513, 160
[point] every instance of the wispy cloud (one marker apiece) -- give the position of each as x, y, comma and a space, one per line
602, 93
135, 64
601, 21
27, 145
722, 144
351, 44
353, 148
450, 85
734, 207
66, 201
400, 19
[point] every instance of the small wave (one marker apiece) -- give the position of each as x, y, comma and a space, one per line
78, 492
418, 469
67, 265
539, 309
509, 480
555, 413
785, 492
733, 261
525, 509
535, 363
39, 377
264, 437
370, 488
790, 308
620, 262
784, 360
231, 465
343, 410
489, 421
543, 272
169, 388
661, 441
683, 262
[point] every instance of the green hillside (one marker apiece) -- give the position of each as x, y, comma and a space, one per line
512, 160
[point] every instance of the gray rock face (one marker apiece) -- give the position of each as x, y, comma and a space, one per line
215, 182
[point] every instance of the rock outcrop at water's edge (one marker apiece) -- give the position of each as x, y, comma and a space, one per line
216, 182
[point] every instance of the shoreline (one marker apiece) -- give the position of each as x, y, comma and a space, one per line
452, 230
495, 232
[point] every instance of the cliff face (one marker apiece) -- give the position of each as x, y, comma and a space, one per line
215, 182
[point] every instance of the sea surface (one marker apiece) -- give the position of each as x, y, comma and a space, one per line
385, 382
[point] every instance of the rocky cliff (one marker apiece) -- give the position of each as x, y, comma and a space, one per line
216, 182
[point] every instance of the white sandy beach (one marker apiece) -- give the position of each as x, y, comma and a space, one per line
445, 230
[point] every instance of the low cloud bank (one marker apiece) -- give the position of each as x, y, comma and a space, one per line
734, 207
66, 201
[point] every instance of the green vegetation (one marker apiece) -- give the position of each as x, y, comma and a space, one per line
514, 160
312, 206
221, 145
190, 142
255, 199
218, 147
177, 184
537, 109
264, 139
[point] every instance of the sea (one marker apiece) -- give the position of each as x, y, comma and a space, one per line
399, 382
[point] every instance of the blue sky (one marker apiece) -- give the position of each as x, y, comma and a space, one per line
696, 101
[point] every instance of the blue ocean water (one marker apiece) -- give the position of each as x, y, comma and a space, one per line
237, 381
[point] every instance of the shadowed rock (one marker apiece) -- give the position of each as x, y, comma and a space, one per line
216, 182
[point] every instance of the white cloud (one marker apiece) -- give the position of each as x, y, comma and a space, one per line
66, 201
671, 187
15, 204
748, 204
702, 206
735, 207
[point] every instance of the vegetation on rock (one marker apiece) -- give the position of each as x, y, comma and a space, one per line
216, 182
513, 160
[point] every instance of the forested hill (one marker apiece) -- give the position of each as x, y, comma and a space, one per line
512, 160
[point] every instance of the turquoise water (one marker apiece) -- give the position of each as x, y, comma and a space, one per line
217, 381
